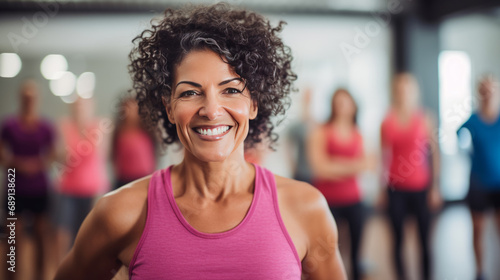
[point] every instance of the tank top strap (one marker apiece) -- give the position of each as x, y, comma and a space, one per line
269, 193
155, 184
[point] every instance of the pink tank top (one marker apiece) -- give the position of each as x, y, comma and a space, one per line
84, 172
345, 191
257, 248
409, 164
134, 156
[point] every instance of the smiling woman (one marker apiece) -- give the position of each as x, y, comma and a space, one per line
245, 41
210, 106
210, 77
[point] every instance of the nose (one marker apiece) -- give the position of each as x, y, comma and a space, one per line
211, 107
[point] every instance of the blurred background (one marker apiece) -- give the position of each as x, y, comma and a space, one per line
79, 50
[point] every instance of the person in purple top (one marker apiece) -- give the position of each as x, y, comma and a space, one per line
27, 149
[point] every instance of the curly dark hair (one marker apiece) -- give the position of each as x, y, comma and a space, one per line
245, 40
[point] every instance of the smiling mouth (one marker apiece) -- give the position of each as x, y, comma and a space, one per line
212, 131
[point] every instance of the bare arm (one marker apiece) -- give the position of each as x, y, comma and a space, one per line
312, 228
435, 200
323, 260
94, 255
5, 157
434, 149
109, 232
384, 174
327, 167
26, 165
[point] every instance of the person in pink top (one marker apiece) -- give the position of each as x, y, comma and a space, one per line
337, 157
133, 148
411, 168
212, 77
82, 174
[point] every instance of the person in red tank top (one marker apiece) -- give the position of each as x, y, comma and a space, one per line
336, 156
211, 79
132, 146
411, 167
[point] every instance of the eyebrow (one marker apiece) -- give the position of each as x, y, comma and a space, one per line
199, 86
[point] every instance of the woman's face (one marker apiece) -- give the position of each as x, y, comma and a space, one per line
343, 105
29, 96
405, 91
210, 106
488, 92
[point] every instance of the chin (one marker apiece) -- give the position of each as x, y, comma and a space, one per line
212, 155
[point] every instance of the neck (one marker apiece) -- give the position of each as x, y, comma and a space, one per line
215, 180
130, 124
404, 110
28, 115
80, 120
490, 111
344, 122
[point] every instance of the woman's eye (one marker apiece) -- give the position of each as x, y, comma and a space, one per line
188, 93
233, 91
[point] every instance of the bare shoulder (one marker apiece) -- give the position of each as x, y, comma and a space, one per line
123, 208
311, 227
294, 189
429, 117
108, 234
317, 130
301, 198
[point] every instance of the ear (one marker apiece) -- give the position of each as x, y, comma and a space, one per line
254, 109
168, 109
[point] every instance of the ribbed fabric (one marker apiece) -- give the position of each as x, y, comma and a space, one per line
257, 248
345, 191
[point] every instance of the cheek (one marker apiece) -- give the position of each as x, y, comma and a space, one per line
239, 110
345, 105
340, 106
183, 112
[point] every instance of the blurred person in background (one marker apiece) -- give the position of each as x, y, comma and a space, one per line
257, 153
213, 77
83, 173
410, 175
337, 158
484, 190
133, 147
297, 141
27, 146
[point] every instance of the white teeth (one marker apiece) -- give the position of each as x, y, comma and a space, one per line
216, 131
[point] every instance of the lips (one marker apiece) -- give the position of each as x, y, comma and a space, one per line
212, 132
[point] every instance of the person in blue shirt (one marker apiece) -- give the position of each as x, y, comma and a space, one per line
484, 191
